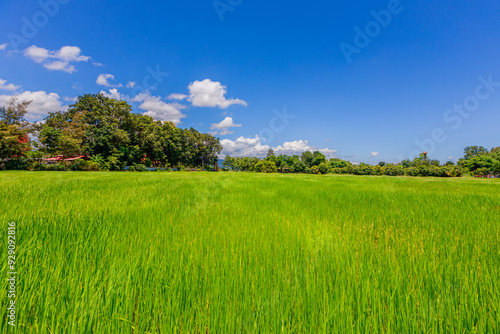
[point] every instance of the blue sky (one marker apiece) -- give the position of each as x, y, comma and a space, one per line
370, 81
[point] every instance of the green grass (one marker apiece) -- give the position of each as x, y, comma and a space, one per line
251, 253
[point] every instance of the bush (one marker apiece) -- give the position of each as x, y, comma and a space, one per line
394, 171
266, 167
364, 170
84, 165
411, 171
39, 166
424, 170
113, 163
323, 168
378, 170
453, 171
17, 164
56, 167
314, 170
139, 168
298, 167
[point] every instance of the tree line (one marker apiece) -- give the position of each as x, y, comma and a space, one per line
477, 160
106, 132
110, 136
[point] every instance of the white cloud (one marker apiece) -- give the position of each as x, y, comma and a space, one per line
114, 94
58, 60
70, 99
244, 147
104, 80
299, 146
97, 64
9, 87
37, 54
208, 93
252, 147
3, 46
158, 109
60, 66
42, 104
223, 127
374, 154
131, 84
177, 96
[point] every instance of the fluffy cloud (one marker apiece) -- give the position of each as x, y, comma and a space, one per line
244, 147
42, 104
177, 96
131, 84
223, 127
104, 80
208, 93
252, 147
158, 109
114, 94
58, 60
9, 87
374, 154
3, 46
299, 146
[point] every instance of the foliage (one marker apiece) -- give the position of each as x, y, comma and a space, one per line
13, 130
323, 168
307, 158
392, 170
318, 158
99, 126
314, 170
474, 151
266, 167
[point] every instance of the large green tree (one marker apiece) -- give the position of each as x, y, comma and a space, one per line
107, 130
14, 129
474, 151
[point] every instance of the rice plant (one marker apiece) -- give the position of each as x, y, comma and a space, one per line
251, 253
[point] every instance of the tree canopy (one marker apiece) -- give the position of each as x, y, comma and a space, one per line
99, 126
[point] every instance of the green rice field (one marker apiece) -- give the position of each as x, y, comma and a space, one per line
250, 253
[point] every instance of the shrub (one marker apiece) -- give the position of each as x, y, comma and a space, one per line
314, 170
323, 168
84, 165
453, 171
266, 167
17, 164
394, 171
140, 168
56, 167
298, 167
378, 170
39, 166
411, 171
364, 170
113, 163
